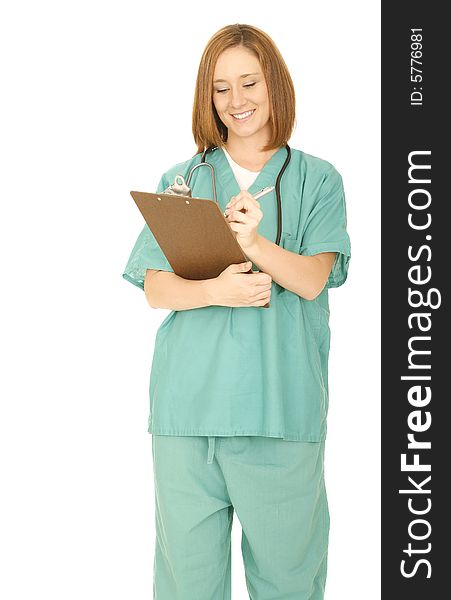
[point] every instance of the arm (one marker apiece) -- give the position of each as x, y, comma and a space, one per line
303, 275
174, 292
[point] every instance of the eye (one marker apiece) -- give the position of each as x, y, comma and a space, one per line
246, 85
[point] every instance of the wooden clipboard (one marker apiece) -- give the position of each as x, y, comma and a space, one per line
192, 233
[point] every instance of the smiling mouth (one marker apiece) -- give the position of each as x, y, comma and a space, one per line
244, 116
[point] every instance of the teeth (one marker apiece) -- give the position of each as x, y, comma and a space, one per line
243, 115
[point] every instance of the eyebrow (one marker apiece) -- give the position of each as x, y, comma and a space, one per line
242, 76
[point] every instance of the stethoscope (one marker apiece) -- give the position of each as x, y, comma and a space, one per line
180, 186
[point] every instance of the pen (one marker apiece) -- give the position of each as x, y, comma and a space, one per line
261, 193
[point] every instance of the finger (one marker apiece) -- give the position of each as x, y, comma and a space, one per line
252, 212
243, 197
260, 295
261, 287
245, 220
242, 228
233, 199
241, 217
235, 205
246, 203
262, 279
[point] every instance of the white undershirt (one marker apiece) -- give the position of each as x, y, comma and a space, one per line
244, 177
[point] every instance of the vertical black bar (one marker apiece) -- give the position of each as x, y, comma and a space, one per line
415, 282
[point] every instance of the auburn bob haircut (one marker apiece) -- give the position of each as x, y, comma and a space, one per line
208, 129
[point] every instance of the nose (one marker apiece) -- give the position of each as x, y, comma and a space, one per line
238, 99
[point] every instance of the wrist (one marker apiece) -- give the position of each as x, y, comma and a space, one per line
210, 291
254, 252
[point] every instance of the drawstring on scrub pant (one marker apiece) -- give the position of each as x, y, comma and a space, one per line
211, 449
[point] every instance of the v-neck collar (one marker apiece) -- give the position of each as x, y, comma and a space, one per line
266, 177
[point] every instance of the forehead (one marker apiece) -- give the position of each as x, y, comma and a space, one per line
234, 62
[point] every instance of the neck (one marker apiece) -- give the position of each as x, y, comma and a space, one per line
247, 152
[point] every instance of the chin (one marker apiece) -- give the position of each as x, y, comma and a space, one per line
247, 133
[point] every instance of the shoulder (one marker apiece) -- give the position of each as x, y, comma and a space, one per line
313, 167
318, 180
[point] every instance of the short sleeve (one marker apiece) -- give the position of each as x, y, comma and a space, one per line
146, 253
325, 229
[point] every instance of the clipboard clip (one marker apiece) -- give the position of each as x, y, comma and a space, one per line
179, 187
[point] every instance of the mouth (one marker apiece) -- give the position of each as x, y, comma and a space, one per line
244, 116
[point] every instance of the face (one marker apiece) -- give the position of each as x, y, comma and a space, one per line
240, 95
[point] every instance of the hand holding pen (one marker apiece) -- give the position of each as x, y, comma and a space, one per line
256, 196
243, 215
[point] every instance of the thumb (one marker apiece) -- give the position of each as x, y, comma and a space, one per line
245, 266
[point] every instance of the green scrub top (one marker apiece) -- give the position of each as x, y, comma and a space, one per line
223, 371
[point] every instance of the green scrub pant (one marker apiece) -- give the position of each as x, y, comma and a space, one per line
278, 491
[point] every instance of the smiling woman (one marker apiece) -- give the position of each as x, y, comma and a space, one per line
243, 105
245, 385
244, 71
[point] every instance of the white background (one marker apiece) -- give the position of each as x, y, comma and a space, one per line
86, 117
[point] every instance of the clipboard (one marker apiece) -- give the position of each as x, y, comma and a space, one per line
192, 233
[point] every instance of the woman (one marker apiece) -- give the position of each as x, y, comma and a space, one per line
239, 392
